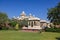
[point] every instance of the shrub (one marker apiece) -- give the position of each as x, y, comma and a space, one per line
52, 29
4, 28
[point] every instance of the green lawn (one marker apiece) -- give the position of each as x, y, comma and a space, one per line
19, 35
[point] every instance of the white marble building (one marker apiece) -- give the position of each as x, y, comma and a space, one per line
33, 22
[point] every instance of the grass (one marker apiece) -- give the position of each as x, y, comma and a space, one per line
19, 35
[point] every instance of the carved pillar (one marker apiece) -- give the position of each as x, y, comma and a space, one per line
30, 23
33, 23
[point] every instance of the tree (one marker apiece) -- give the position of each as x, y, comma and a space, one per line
13, 23
24, 23
3, 19
54, 14
17, 26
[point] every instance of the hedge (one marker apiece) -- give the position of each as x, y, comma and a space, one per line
52, 29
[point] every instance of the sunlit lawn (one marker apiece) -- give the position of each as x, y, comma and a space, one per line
19, 35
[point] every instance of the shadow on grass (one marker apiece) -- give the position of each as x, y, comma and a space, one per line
58, 38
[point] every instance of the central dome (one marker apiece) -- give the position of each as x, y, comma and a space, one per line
23, 13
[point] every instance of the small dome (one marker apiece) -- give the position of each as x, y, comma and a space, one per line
23, 13
18, 17
14, 17
30, 15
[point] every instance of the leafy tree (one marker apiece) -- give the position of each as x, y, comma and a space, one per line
14, 23
17, 26
24, 23
54, 14
3, 19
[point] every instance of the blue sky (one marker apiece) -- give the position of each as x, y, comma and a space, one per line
35, 7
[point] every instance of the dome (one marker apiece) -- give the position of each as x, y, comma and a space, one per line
23, 13
14, 17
